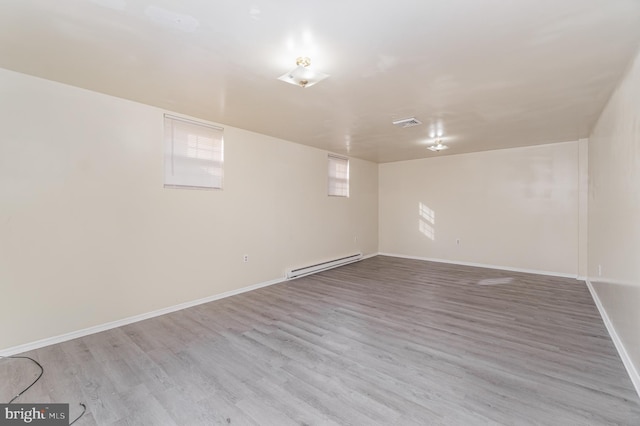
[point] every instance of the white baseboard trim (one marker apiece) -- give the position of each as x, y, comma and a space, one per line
482, 265
129, 320
622, 351
119, 323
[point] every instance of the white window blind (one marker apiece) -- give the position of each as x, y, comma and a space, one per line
194, 154
338, 176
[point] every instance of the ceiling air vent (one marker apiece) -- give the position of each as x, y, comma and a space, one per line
407, 122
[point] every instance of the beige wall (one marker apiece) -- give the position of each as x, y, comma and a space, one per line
513, 208
614, 212
88, 234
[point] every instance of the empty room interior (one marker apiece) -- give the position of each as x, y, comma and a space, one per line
321, 213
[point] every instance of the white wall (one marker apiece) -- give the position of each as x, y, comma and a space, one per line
614, 214
88, 234
513, 208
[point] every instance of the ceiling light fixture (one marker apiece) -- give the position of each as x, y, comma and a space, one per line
438, 146
301, 75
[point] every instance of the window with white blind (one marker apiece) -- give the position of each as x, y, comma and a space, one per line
338, 176
193, 156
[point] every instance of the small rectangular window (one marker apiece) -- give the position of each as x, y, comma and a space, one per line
193, 155
338, 176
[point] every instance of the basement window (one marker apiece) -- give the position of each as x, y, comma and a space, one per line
338, 176
193, 156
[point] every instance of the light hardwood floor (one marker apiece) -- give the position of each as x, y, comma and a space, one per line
385, 341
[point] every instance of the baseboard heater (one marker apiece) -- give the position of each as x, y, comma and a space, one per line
312, 269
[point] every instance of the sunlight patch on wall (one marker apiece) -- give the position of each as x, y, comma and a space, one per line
427, 221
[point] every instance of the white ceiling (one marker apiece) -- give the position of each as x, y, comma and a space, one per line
489, 74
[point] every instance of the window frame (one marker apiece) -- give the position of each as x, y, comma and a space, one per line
195, 154
334, 180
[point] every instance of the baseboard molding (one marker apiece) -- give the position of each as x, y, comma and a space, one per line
483, 265
622, 351
129, 320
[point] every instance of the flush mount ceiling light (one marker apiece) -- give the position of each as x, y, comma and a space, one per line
301, 75
438, 146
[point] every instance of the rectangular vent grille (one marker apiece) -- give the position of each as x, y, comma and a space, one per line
407, 122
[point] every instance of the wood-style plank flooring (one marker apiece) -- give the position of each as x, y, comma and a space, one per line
385, 341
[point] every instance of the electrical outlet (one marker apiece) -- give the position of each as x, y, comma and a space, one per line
245, 258
355, 239
599, 270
